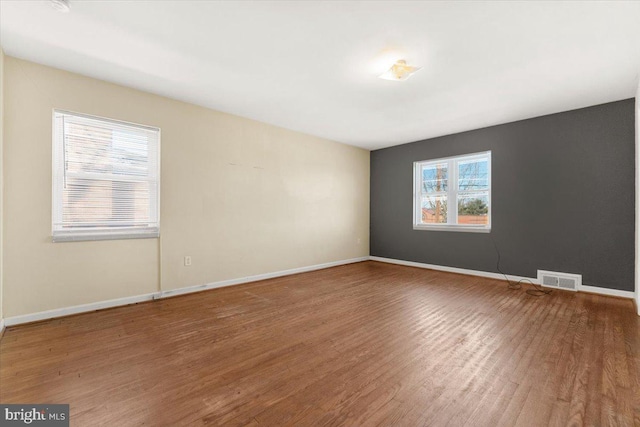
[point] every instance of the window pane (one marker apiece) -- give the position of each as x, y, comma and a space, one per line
101, 203
434, 178
95, 149
105, 179
434, 210
473, 209
473, 175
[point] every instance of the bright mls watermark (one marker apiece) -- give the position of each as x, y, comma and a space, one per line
34, 415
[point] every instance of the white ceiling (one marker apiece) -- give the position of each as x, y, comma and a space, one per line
311, 66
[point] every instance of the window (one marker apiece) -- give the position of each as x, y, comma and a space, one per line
453, 194
105, 179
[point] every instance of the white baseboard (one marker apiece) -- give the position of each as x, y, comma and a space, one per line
1, 326
605, 291
257, 277
581, 288
67, 311
453, 269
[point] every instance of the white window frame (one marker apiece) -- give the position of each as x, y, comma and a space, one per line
452, 194
60, 234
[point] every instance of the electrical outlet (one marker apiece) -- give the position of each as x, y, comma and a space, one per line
187, 261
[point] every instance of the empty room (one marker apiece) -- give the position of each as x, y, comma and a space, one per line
301, 213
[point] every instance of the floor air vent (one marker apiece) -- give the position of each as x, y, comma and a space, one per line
552, 279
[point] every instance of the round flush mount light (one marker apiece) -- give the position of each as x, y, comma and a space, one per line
61, 5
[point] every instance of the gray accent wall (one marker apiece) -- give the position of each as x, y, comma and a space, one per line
563, 198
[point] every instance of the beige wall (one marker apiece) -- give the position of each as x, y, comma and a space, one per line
238, 196
1, 174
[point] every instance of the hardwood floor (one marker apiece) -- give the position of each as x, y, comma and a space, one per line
362, 344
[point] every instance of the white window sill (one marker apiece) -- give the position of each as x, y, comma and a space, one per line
464, 229
75, 236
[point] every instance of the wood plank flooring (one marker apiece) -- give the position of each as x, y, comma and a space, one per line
361, 344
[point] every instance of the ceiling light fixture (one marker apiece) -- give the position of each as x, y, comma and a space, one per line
399, 71
61, 5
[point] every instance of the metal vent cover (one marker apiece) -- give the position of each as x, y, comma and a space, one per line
550, 281
554, 279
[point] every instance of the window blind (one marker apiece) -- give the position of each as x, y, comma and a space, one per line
106, 179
